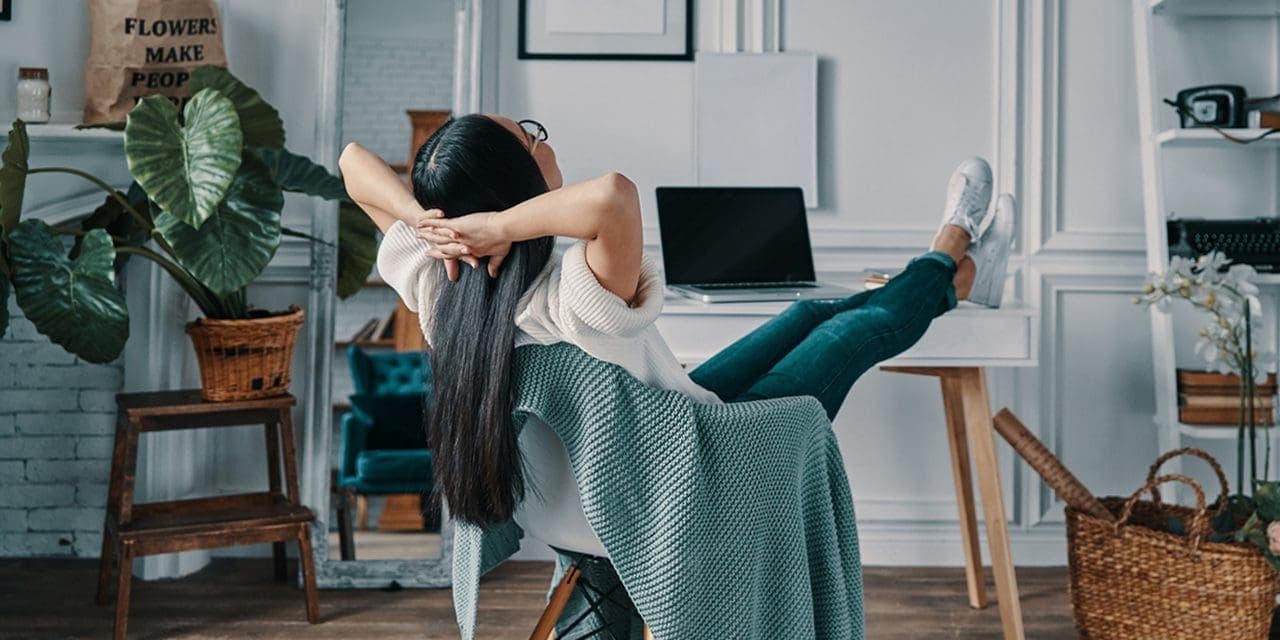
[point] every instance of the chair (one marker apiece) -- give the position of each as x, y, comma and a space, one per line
553, 513
710, 541
383, 448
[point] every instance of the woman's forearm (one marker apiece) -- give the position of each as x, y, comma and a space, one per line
584, 210
376, 188
604, 211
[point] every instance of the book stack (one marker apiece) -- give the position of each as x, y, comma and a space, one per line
375, 332
1210, 398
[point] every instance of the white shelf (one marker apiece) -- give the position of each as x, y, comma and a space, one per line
1217, 8
1216, 432
1211, 138
66, 131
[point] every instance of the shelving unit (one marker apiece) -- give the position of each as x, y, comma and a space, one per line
1216, 8
66, 131
1209, 138
1155, 140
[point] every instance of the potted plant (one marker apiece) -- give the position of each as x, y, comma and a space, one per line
205, 205
1227, 342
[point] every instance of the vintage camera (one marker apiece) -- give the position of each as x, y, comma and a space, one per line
1215, 105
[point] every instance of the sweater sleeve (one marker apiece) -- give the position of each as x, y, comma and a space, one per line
585, 303
404, 264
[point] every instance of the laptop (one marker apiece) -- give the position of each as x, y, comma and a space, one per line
738, 244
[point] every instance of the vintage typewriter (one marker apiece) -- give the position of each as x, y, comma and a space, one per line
1254, 241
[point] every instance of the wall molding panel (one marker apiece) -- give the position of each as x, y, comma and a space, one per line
1054, 285
1050, 232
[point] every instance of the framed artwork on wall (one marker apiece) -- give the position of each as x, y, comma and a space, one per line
6, 10
605, 30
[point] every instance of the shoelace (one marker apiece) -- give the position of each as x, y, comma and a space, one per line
968, 203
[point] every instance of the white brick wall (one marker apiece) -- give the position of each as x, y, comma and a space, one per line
383, 77
57, 417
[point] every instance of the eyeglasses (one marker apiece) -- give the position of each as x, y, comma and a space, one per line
537, 133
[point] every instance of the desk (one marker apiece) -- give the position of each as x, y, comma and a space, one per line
957, 349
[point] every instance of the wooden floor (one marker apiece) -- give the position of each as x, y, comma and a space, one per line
235, 598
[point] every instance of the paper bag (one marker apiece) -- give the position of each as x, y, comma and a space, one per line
139, 48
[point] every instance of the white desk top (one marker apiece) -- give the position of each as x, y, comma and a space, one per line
967, 336
676, 304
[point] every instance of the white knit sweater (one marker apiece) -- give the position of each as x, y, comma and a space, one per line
564, 303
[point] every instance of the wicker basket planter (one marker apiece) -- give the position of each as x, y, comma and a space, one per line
243, 359
1134, 579
1131, 578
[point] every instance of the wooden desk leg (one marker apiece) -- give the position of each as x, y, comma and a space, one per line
273, 482
953, 407
978, 422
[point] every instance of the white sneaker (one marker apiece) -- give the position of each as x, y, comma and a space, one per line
991, 254
968, 194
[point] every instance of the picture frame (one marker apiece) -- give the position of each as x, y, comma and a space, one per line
653, 30
6, 10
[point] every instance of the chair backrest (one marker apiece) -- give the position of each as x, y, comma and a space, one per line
388, 372
552, 507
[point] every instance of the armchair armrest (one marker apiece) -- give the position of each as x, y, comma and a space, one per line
354, 433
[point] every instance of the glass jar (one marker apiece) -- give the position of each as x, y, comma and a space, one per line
33, 94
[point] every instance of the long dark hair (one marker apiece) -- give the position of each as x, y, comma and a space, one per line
474, 164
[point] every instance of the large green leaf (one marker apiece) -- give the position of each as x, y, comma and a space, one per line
235, 244
297, 173
74, 302
259, 121
357, 248
1267, 498
185, 169
13, 177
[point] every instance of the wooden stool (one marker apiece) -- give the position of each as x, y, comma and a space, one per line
135, 530
968, 412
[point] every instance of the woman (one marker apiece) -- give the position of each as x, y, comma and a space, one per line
488, 194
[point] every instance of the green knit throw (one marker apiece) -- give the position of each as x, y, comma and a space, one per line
722, 521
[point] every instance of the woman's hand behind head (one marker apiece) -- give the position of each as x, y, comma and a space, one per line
467, 238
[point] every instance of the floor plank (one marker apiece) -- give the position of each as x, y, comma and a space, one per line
235, 598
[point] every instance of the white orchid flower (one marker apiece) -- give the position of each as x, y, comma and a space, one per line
1224, 296
1240, 277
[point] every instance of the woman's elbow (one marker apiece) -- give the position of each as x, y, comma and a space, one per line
619, 195
348, 155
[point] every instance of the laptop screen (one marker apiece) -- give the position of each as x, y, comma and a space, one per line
734, 234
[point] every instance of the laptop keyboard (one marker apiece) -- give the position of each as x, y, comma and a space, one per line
758, 285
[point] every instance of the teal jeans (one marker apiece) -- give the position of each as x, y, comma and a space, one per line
819, 348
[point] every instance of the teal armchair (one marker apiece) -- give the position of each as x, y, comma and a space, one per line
383, 447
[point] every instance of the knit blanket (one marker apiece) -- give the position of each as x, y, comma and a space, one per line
721, 520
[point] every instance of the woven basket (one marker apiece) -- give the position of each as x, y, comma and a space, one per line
243, 359
1133, 579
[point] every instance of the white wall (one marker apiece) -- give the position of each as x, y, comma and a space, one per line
906, 91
